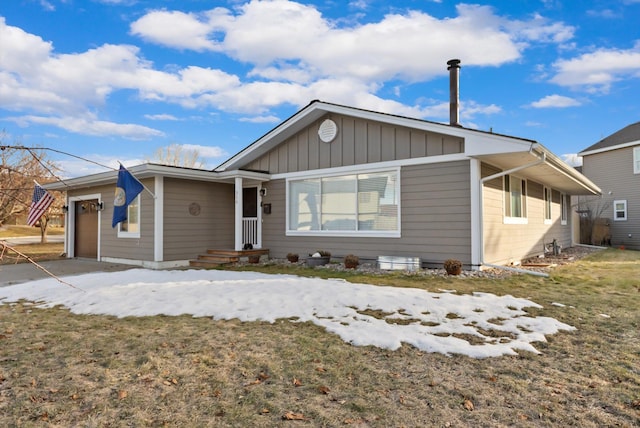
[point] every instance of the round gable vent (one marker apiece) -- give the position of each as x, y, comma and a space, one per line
327, 131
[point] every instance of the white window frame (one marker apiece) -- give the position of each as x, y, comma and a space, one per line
636, 160
124, 233
623, 210
346, 233
547, 194
564, 208
508, 219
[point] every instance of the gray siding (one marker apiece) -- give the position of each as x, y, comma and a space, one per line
187, 235
358, 142
435, 220
511, 243
123, 248
612, 171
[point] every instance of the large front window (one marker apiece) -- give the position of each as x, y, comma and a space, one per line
362, 204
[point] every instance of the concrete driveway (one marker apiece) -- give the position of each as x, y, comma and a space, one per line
24, 272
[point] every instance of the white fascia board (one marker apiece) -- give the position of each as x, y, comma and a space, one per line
490, 144
139, 171
606, 149
559, 165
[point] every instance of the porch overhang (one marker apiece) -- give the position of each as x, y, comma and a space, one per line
551, 170
149, 170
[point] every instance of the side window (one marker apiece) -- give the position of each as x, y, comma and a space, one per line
620, 210
636, 160
564, 208
515, 199
547, 205
130, 228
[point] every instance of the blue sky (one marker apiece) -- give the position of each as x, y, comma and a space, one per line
115, 80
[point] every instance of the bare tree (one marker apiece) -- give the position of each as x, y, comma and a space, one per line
177, 155
20, 167
591, 209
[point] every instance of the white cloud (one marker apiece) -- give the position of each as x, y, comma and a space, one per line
296, 53
161, 117
91, 126
206, 151
260, 119
175, 29
596, 71
542, 30
604, 13
555, 101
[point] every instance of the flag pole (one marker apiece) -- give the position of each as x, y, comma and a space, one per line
141, 183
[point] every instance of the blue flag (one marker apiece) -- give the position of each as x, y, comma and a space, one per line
127, 189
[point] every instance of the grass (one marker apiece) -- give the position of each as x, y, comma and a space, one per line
38, 252
11, 231
61, 369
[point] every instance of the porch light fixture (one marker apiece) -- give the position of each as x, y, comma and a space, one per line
263, 192
100, 206
65, 208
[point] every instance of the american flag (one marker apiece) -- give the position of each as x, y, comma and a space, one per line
39, 204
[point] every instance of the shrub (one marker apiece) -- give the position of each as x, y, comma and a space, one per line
453, 266
292, 257
351, 261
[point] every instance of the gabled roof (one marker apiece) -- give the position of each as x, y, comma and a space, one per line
627, 136
317, 109
503, 151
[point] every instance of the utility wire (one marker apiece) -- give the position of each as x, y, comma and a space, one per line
31, 151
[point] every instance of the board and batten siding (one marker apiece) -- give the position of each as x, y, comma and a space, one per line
511, 243
435, 220
612, 171
189, 232
358, 142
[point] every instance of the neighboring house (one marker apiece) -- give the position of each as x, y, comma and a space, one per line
344, 180
613, 163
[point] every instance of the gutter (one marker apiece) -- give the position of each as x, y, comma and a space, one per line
541, 159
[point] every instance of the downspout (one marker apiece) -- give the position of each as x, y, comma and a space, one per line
492, 177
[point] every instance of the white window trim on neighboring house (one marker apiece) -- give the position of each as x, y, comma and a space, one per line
548, 203
622, 210
508, 217
636, 160
395, 233
564, 208
134, 205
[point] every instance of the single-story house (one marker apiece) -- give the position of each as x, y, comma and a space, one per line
613, 163
344, 180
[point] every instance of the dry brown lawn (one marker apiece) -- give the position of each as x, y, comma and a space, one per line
60, 369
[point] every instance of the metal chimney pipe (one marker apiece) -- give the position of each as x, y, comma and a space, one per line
454, 91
